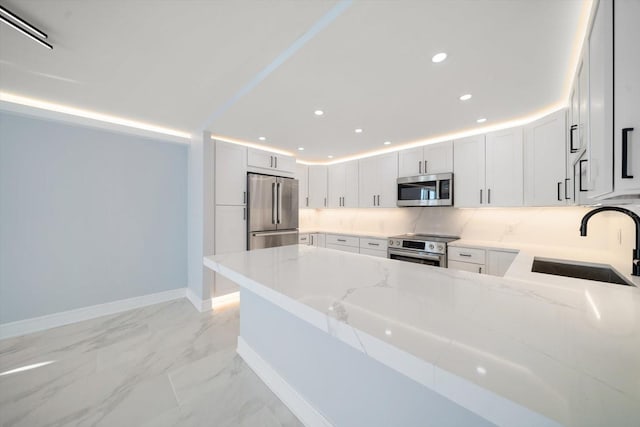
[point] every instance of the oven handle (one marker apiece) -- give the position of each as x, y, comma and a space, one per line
413, 254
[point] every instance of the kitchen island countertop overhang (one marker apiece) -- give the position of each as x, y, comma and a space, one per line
500, 347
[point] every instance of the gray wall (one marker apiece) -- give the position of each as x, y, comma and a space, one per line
87, 216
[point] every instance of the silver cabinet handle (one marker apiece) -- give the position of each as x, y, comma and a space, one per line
341, 240
374, 200
466, 255
481, 196
244, 214
325, 202
420, 167
489, 196
373, 244
271, 161
312, 239
244, 197
378, 200
425, 166
275, 157
480, 270
307, 201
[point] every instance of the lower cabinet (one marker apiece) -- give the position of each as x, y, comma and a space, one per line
373, 247
343, 243
343, 248
317, 239
303, 239
477, 260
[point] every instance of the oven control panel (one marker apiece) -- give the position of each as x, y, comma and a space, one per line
418, 245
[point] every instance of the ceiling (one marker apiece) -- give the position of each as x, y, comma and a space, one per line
245, 69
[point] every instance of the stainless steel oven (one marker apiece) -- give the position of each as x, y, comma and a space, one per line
424, 249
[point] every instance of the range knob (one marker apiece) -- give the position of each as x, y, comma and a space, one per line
397, 242
390, 242
441, 248
431, 246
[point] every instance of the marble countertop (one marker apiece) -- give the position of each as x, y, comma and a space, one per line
550, 352
371, 235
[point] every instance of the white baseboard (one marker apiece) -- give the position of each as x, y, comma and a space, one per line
27, 326
302, 409
200, 304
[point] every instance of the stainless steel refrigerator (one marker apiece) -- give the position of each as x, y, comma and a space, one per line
273, 211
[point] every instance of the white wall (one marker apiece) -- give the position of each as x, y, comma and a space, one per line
87, 216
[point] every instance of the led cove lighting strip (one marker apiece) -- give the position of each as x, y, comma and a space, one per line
251, 144
25, 32
43, 105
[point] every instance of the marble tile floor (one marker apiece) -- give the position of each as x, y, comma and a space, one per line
162, 365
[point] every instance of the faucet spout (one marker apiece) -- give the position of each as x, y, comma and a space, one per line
635, 270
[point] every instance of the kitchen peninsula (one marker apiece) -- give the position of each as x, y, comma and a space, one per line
346, 339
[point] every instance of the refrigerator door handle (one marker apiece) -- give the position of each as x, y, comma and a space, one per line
273, 203
279, 198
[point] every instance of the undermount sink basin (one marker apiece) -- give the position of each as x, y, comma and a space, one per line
578, 270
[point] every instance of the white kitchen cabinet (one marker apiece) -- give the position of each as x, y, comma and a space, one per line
230, 174
427, 160
498, 262
469, 172
373, 247
318, 239
304, 239
343, 185
377, 181
269, 161
302, 175
504, 168
230, 229
343, 248
467, 266
613, 167
373, 252
545, 182
318, 186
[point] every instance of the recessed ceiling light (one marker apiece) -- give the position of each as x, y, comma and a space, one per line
439, 57
262, 138
358, 130
330, 156
318, 112
465, 97
300, 148
481, 120
387, 143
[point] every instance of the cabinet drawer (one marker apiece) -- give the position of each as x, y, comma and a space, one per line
472, 255
303, 239
373, 252
338, 239
344, 248
375, 244
467, 266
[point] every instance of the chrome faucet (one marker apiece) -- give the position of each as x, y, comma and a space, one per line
635, 269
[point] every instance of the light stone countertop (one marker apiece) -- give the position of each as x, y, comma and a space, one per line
515, 351
370, 235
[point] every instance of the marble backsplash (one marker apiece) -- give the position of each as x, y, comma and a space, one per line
609, 231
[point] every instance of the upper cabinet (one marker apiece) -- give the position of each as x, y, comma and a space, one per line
318, 187
343, 185
270, 162
608, 83
302, 175
427, 160
545, 181
377, 184
488, 169
230, 174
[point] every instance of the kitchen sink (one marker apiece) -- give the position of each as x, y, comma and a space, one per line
578, 270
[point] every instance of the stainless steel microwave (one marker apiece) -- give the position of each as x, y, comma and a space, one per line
426, 190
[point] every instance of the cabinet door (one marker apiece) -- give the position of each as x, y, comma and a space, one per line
230, 174
285, 163
438, 158
336, 188
580, 179
350, 197
260, 159
498, 262
302, 175
230, 229
469, 171
583, 110
367, 182
318, 239
504, 173
317, 186
545, 161
387, 180
467, 266
373, 252
600, 105
627, 96
410, 162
